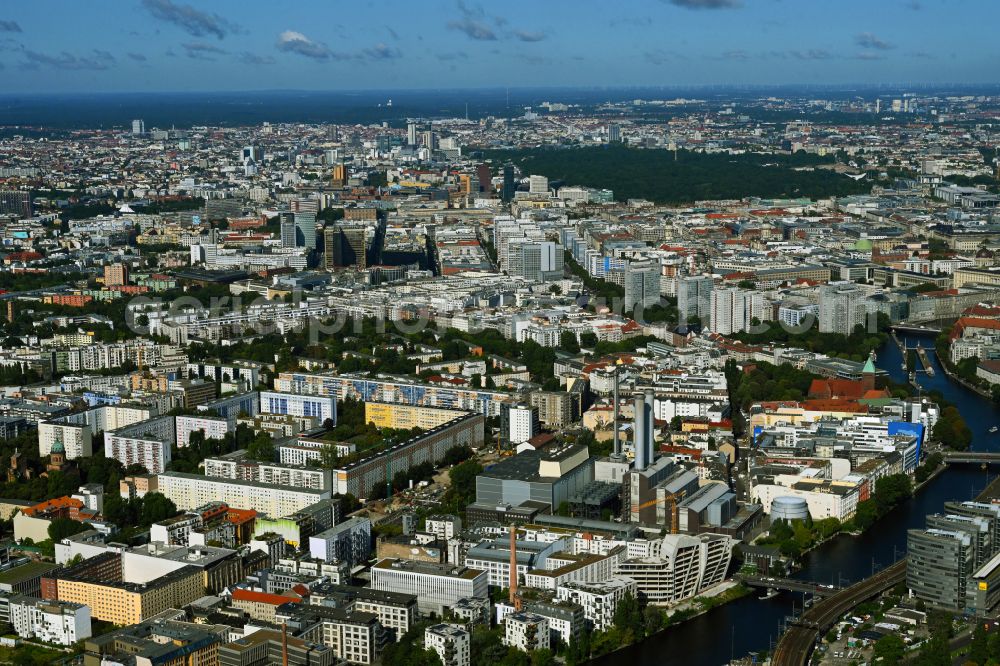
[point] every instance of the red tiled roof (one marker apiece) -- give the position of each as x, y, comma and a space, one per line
263, 597
973, 322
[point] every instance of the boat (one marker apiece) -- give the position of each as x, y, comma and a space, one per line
994, 429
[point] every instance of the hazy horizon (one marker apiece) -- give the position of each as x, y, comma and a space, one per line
59, 46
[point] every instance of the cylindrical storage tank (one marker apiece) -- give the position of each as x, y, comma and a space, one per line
789, 508
639, 441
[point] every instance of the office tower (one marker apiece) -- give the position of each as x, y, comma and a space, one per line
509, 186
138, 127
343, 247
255, 153
411, 133
465, 183
642, 284
694, 298
305, 230
733, 310
939, 564
339, 175
538, 185
354, 247
538, 261
330, 247
287, 221
485, 178
985, 510
15, 202
220, 209
115, 275
841, 308
614, 133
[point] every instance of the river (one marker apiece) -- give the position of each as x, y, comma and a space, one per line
750, 624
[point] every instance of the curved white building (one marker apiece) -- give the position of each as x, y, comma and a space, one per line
681, 566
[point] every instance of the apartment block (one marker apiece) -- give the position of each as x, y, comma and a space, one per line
451, 642
189, 491
59, 622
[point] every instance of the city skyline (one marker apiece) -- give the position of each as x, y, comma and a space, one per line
170, 45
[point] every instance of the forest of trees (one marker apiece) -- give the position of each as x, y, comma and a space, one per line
854, 347
771, 382
658, 176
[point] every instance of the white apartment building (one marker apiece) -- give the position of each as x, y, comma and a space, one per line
642, 284
393, 612
443, 526
733, 310
76, 431
797, 315
841, 308
526, 631
599, 599
538, 185
451, 642
189, 491
293, 404
523, 423
50, 621
350, 541
436, 586
353, 636
147, 443
211, 428
237, 466
563, 568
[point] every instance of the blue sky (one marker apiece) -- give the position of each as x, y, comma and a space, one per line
177, 45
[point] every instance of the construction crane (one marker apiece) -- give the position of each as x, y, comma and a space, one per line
673, 499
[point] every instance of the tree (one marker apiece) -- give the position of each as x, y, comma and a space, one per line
979, 648
543, 658
652, 619
157, 507
568, 342
261, 448
951, 429
60, 528
463, 481
628, 617
889, 650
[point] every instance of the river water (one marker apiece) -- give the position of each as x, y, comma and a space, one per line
750, 624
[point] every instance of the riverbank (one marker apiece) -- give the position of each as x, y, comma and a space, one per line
686, 611
964, 382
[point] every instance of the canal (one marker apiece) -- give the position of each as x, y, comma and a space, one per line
750, 624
